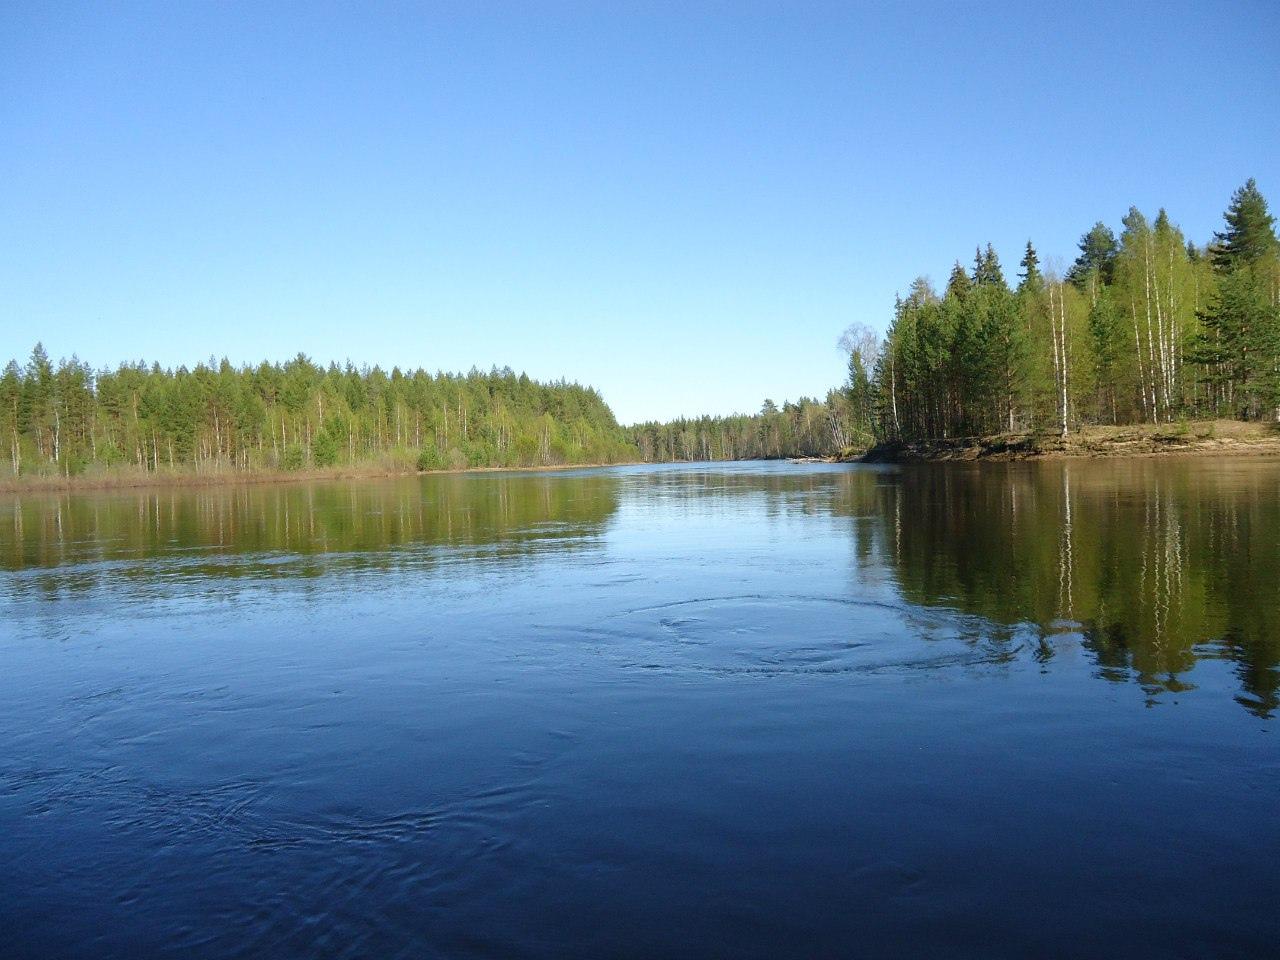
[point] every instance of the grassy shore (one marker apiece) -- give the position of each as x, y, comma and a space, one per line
123, 479
1201, 438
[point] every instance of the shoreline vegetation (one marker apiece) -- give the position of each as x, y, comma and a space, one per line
137, 479
1147, 343
1146, 327
1221, 438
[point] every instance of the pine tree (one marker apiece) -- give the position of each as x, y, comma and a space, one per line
1250, 236
1240, 347
1098, 251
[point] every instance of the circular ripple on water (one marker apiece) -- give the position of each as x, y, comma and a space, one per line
767, 634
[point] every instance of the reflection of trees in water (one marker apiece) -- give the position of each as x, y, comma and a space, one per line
225, 532
1152, 565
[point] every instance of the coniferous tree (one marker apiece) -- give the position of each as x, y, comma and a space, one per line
1097, 259
1030, 277
1239, 345
959, 284
987, 271
1250, 236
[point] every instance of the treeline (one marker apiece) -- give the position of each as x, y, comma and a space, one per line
806, 428
1146, 326
67, 419
844, 422
1143, 327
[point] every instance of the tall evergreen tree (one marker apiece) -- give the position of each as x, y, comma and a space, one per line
1098, 251
958, 284
987, 271
1030, 277
1240, 346
1250, 236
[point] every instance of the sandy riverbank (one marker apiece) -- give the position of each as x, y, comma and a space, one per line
1200, 438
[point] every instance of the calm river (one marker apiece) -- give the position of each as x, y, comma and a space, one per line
748, 710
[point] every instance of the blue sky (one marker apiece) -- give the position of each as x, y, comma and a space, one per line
682, 204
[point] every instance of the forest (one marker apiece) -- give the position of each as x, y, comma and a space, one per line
805, 428
66, 419
1146, 326
1143, 327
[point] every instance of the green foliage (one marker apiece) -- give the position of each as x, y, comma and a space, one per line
805, 428
1096, 263
293, 458
1250, 236
430, 459
1031, 278
1143, 331
57, 418
986, 269
1240, 344
959, 284
325, 450
1149, 327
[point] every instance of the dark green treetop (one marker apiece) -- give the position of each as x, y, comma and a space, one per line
986, 269
1250, 235
1098, 249
1031, 278
958, 285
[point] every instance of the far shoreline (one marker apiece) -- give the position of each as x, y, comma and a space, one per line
131, 480
1220, 438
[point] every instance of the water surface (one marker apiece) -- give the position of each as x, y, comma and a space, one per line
754, 710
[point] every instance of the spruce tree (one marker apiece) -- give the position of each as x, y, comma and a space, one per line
987, 271
1241, 344
958, 285
1031, 278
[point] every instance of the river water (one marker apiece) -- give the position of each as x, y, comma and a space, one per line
747, 710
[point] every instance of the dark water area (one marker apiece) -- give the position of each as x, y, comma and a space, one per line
751, 710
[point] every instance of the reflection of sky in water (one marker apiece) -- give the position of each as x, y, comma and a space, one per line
646, 711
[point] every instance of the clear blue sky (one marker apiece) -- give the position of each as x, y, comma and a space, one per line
682, 204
